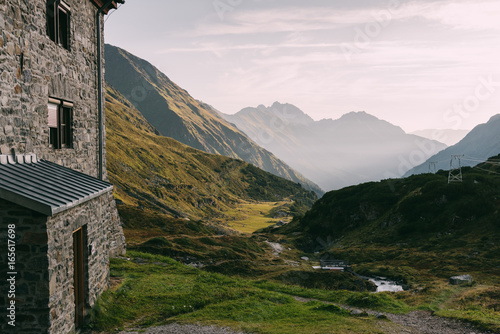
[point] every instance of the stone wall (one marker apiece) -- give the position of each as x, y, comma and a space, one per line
33, 67
31, 263
116, 238
98, 217
45, 259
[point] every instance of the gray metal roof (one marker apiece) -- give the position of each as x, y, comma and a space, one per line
46, 187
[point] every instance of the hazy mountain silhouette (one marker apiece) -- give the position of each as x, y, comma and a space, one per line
174, 113
446, 136
355, 148
481, 143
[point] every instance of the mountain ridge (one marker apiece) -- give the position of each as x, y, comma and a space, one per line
162, 175
447, 136
176, 114
482, 142
357, 147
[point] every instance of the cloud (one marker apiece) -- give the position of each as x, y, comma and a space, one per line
468, 15
428, 55
479, 14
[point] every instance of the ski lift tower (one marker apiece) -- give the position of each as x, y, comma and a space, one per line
455, 174
432, 167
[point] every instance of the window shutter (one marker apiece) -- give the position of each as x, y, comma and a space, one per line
53, 115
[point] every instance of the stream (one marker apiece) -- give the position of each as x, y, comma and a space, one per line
383, 284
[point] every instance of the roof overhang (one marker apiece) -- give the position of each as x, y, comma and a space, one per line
46, 187
100, 3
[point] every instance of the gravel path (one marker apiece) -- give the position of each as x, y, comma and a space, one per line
185, 329
417, 322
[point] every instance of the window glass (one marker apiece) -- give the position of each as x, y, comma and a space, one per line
63, 27
51, 20
65, 127
60, 118
58, 22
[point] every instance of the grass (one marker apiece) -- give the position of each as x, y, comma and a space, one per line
479, 304
158, 290
250, 217
249, 265
246, 287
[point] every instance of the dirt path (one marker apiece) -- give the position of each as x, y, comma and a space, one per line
184, 329
416, 322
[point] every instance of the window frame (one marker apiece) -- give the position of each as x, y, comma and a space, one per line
60, 132
58, 18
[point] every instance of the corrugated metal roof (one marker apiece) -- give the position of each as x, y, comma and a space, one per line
47, 187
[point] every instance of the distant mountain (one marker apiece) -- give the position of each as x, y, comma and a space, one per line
162, 175
447, 136
356, 148
480, 143
174, 113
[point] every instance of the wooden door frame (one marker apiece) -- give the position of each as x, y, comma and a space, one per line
79, 266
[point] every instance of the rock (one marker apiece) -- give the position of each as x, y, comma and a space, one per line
305, 258
461, 280
280, 223
358, 313
280, 214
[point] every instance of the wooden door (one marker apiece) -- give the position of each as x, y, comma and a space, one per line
79, 276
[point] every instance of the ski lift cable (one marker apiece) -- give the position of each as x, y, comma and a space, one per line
486, 170
478, 159
482, 161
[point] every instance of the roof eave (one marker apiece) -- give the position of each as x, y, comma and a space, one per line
44, 209
81, 201
100, 3
26, 202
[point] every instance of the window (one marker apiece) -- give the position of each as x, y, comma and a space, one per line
60, 120
58, 22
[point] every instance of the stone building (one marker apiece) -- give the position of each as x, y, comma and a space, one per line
58, 220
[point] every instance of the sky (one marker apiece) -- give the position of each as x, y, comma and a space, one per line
417, 64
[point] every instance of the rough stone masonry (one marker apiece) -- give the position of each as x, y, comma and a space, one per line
34, 69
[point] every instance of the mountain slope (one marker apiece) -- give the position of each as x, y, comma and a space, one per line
420, 212
174, 113
447, 136
482, 142
159, 173
356, 148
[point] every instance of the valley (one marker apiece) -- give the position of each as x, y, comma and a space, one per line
214, 240
250, 167
204, 245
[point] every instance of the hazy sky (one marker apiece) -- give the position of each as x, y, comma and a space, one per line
417, 64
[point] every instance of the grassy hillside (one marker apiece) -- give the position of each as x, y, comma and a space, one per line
383, 228
160, 174
176, 114
419, 231
419, 210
